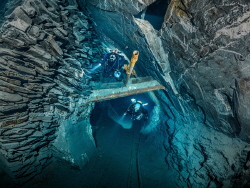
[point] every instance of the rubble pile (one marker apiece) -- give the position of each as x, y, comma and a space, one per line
46, 48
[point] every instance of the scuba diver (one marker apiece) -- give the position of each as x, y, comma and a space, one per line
113, 65
137, 111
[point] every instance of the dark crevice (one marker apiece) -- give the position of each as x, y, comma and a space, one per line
247, 159
235, 106
154, 13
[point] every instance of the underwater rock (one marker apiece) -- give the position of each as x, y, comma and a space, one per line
34, 31
19, 13
10, 97
34, 73
19, 24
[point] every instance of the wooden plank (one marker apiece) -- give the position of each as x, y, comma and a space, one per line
107, 91
125, 93
141, 79
110, 85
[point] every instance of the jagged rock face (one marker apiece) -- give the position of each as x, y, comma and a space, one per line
46, 46
212, 55
201, 55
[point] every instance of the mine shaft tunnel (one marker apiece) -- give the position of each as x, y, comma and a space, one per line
116, 108
52, 116
121, 141
59, 130
125, 153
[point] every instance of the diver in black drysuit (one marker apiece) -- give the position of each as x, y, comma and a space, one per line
113, 65
137, 111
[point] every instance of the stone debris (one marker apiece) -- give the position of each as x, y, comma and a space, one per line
19, 24
43, 54
53, 45
10, 97
34, 31
19, 13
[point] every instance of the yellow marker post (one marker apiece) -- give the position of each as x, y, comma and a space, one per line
131, 65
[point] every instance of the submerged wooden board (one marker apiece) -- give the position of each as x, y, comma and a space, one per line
136, 86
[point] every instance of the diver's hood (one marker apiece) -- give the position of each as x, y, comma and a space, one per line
137, 106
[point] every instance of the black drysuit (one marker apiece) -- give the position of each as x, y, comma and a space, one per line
137, 114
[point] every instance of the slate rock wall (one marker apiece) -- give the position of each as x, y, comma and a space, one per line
47, 48
200, 156
207, 45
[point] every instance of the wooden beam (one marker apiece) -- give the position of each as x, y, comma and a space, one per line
126, 93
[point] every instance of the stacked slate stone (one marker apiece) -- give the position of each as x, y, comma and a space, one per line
45, 48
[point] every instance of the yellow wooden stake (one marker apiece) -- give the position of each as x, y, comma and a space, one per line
131, 65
